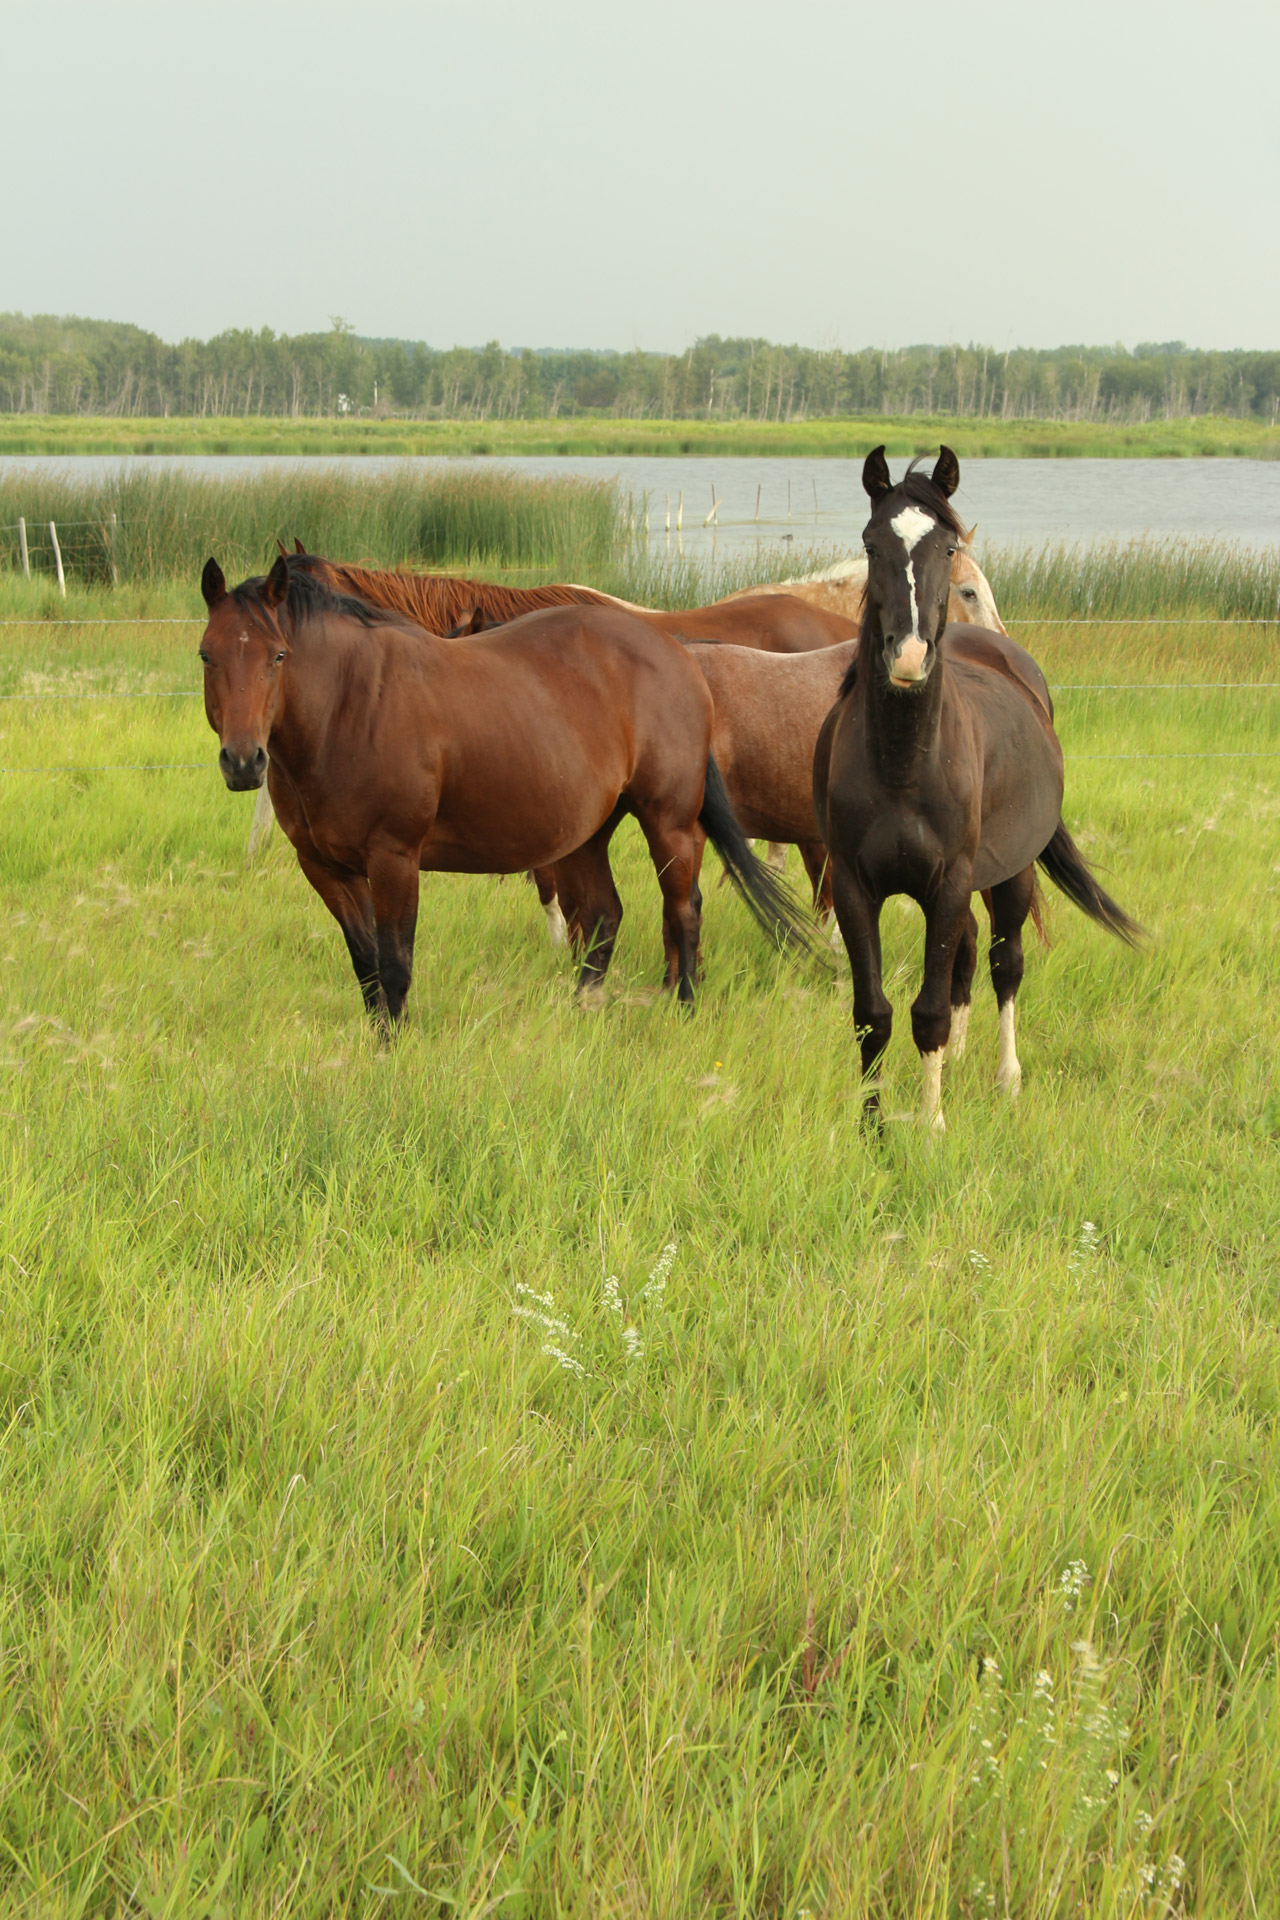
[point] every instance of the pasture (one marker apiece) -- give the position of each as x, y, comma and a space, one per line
560, 1463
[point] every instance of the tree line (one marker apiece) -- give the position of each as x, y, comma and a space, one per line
71, 366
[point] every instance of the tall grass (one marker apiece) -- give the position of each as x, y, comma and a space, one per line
1134, 579
383, 1529
168, 523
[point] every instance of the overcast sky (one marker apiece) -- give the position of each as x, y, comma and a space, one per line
618, 175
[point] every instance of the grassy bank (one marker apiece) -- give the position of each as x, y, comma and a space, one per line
921, 1558
846, 438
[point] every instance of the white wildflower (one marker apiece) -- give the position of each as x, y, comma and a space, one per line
566, 1360
1074, 1578
658, 1278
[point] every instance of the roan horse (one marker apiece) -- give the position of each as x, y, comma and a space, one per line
389, 751
936, 776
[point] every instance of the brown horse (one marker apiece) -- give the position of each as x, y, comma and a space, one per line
773, 623
936, 776
389, 751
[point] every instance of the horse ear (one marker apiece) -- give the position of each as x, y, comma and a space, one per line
280, 546
946, 475
213, 584
966, 539
875, 474
276, 584
297, 545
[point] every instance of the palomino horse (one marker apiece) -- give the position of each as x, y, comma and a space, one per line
936, 776
839, 589
389, 751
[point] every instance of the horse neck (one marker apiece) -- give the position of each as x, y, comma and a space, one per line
331, 677
902, 728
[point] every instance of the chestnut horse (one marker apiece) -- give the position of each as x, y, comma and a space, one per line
935, 776
774, 623
389, 751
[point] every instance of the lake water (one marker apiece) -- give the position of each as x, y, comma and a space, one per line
821, 502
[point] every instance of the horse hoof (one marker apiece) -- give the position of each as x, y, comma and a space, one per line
1009, 1082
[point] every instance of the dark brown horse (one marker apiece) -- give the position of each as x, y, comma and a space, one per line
389, 751
937, 776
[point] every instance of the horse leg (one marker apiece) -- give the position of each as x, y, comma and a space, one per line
1010, 905
350, 903
962, 987
393, 888
544, 879
946, 926
776, 857
586, 878
859, 922
674, 856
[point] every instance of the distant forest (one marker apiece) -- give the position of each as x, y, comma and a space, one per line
69, 366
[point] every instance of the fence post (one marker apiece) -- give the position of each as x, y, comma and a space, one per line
759, 490
57, 555
22, 546
115, 570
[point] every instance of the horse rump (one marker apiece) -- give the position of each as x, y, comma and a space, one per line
766, 895
1066, 866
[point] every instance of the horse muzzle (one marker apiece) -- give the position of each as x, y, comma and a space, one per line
243, 772
909, 664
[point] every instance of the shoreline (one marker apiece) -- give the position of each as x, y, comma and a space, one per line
45, 436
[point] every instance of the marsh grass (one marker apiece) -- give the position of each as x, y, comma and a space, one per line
923, 1561
1136, 579
168, 523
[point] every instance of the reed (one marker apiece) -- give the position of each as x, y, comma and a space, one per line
1134, 579
168, 522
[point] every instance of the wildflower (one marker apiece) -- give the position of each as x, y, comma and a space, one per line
1086, 1246
566, 1360
612, 1295
979, 1261
657, 1282
1074, 1578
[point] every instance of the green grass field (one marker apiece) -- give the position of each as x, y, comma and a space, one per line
907, 1544
850, 437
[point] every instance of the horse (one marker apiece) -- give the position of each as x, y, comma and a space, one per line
773, 623
840, 588
389, 751
936, 776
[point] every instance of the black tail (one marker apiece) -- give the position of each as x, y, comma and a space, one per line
769, 900
1065, 865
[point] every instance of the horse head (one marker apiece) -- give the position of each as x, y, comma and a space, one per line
910, 539
243, 649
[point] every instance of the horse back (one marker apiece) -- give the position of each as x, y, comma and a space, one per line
996, 651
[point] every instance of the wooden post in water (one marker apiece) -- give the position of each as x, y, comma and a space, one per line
111, 541
22, 547
668, 516
759, 491
815, 499
57, 558
680, 512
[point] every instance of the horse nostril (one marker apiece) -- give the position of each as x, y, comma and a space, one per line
260, 760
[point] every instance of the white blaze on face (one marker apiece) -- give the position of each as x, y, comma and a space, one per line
911, 526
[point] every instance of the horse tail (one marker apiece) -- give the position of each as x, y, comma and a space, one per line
765, 894
1065, 865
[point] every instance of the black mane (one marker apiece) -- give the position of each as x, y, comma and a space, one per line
307, 597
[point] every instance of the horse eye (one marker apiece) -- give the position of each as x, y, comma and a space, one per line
969, 593
279, 658
950, 553
204, 657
